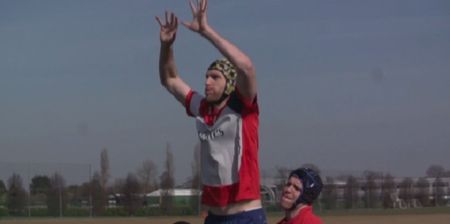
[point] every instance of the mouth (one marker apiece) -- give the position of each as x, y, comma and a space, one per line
208, 91
286, 197
286, 201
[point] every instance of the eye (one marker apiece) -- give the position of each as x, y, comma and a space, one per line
296, 187
215, 76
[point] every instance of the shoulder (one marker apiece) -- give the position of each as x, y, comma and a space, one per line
282, 221
314, 220
306, 216
194, 103
240, 104
311, 218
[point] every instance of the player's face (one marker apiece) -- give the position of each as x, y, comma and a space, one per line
291, 191
214, 85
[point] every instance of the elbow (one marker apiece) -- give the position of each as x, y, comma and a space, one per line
167, 83
247, 68
164, 77
164, 82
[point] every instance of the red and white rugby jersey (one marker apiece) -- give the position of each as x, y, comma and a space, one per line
305, 216
229, 149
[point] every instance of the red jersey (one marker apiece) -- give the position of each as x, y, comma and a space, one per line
228, 149
305, 216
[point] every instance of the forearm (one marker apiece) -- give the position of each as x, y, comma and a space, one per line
246, 79
229, 50
167, 67
169, 76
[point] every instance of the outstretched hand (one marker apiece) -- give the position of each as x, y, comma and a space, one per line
168, 29
199, 20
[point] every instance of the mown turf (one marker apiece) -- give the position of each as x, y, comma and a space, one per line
373, 216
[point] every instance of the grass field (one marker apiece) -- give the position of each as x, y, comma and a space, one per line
411, 216
327, 219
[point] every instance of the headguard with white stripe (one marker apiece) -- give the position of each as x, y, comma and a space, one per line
312, 185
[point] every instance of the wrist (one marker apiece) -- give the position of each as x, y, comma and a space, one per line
166, 45
206, 31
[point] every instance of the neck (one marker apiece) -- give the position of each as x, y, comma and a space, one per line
219, 104
290, 214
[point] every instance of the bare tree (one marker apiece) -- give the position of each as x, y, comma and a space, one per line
147, 176
16, 196
132, 200
74, 195
118, 185
56, 195
167, 181
421, 193
351, 197
329, 194
196, 179
447, 173
2, 187
435, 171
370, 187
99, 197
439, 192
388, 188
104, 168
167, 178
406, 190
196, 169
2, 192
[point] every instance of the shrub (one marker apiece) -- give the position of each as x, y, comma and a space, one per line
3, 211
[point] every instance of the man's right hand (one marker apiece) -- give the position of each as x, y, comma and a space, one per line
168, 29
199, 21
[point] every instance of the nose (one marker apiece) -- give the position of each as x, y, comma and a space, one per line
290, 188
287, 188
208, 81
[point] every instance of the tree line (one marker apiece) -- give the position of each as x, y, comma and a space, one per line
51, 196
378, 190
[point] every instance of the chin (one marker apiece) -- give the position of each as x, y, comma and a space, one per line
285, 205
210, 99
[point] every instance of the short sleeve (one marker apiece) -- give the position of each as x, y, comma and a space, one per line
248, 105
192, 104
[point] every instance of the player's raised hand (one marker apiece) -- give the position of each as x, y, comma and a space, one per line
199, 20
168, 29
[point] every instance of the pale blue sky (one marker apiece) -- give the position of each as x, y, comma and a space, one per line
348, 85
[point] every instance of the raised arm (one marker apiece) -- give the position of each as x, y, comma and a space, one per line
168, 74
246, 79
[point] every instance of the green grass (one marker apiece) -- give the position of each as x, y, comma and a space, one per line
380, 211
272, 215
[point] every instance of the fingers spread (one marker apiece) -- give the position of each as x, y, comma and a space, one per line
204, 3
167, 19
172, 19
193, 8
159, 21
175, 22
